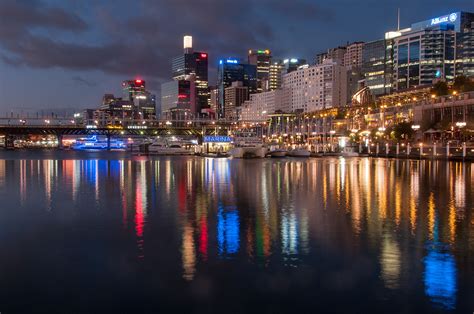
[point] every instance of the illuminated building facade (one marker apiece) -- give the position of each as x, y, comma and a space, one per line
262, 59
235, 95
439, 48
353, 55
178, 95
317, 87
144, 103
193, 66
377, 66
261, 105
232, 70
275, 75
336, 54
293, 64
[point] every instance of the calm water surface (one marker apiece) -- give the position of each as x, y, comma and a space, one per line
89, 232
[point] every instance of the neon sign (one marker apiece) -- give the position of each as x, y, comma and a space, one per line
217, 139
444, 19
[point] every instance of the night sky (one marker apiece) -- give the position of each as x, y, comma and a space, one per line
68, 53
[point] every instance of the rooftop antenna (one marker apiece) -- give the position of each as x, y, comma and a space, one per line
398, 19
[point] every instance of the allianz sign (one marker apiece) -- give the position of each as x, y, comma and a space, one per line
447, 18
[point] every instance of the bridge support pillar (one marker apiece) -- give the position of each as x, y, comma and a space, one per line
9, 141
59, 137
108, 141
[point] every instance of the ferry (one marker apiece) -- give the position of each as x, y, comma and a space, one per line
248, 146
94, 143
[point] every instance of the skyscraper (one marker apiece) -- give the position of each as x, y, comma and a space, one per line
261, 58
377, 66
178, 98
193, 66
232, 70
438, 48
276, 75
143, 101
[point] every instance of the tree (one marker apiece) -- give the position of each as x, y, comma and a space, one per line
440, 88
402, 130
463, 84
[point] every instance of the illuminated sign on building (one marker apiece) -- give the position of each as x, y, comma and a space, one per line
217, 139
444, 19
233, 61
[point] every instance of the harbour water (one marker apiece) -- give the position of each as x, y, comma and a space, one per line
106, 231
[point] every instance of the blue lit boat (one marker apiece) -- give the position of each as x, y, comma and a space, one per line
95, 143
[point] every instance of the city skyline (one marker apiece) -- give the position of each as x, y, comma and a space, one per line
48, 39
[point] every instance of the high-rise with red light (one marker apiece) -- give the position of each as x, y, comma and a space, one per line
193, 66
144, 103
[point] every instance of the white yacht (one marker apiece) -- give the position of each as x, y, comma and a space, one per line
248, 146
276, 152
299, 152
168, 148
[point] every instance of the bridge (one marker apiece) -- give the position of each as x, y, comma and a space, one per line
13, 128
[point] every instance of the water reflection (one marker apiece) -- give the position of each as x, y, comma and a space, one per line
440, 276
228, 237
411, 219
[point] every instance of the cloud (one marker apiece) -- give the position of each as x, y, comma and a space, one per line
17, 17
143, 39
83, 81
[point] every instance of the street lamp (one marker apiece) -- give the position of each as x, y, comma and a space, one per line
460, 124
415, 127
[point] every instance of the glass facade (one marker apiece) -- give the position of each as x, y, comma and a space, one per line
439, 48
194, 66
377, 64
231, 70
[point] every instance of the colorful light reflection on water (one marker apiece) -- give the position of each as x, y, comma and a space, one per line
317, 234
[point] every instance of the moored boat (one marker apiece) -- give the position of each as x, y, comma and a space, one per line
168, 148
299, 152
248, 146
278, 153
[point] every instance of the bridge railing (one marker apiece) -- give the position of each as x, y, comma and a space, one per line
68, 122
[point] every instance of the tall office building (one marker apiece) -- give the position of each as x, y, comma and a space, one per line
235, 95
178, 98
214, 103
280, 67
377, 66
193, 66
262, 59
438, 48
143, 101
232, 70
276, 75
